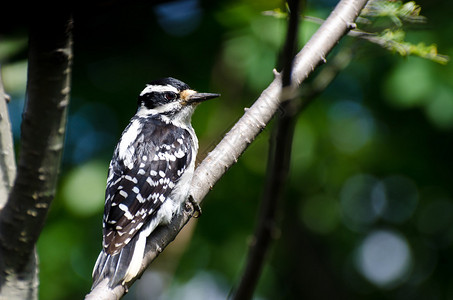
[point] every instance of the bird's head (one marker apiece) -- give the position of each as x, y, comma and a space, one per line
170, 97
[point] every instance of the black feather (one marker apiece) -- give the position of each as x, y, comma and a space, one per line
151, 188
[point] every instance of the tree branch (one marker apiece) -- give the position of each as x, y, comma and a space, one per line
43, 129
278, 169
7, 159
279, 158
227, 152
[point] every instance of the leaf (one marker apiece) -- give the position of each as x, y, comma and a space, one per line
393, 36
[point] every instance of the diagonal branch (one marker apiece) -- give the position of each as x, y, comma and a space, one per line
278, 169
43, 128
230, 148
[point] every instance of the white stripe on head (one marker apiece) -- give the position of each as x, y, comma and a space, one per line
143, 111
180, 119
159, 89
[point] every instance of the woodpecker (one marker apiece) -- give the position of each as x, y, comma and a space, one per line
149, 176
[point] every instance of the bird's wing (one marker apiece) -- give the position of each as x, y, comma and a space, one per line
135, 191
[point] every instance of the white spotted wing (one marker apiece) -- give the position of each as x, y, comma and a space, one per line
146, 171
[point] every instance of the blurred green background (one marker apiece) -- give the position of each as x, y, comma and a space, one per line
368, 212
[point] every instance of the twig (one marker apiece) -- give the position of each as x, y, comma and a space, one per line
277, 170
43, 130
227, 152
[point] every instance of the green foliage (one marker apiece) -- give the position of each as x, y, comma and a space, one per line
385, 21
394, 40
397, 11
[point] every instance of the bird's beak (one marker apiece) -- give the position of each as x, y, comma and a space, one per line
200, 97
193, 97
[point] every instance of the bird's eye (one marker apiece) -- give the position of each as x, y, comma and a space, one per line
170, 96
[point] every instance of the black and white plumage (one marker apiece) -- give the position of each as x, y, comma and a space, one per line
149, 176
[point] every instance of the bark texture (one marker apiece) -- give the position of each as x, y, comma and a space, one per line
43, 129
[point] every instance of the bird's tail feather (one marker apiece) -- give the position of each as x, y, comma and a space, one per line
124, 265
113, 267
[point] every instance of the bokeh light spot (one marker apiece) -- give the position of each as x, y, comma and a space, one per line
364, 199
440, 108
203, 285
179, 18
84, 187
410, 84
384, 258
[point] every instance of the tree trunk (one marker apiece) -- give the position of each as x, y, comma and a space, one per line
43, 128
